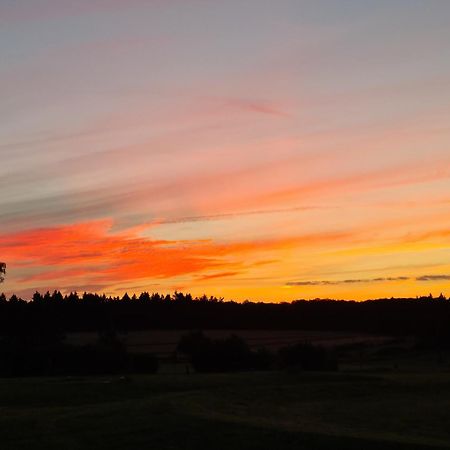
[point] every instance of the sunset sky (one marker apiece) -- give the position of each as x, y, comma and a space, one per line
249, 149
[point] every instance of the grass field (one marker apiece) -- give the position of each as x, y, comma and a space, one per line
269, 410
164, 342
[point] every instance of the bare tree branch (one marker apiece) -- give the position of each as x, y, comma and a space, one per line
2, 271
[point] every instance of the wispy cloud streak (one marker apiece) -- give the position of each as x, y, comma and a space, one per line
433, 278
348, 281
368, 280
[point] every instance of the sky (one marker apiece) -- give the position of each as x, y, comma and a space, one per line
248, 149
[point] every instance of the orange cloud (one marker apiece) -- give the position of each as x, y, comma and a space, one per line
90, 253
218, 275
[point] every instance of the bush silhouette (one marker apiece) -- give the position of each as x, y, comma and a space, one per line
25, 357
305, 356
144, 363
221, 355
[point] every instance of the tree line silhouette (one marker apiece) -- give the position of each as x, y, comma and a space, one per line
232, 354
55, 313
32, 332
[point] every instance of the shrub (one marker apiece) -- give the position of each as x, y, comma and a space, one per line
144, 363
305, 356
25, 358
221, 355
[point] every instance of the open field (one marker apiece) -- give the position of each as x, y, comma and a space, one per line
244, 411
164, 342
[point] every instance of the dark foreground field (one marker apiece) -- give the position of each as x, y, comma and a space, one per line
243, 411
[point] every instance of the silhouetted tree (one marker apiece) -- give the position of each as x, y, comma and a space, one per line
144, 297
57, 296
73, 297
37, 297
2, 271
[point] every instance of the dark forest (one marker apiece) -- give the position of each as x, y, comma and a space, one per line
421, 317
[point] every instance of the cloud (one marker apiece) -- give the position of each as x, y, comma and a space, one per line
433, 278
218, 275
393, 177
367, 280
91, 253
232, 215
256, 106
65, 199
349, 281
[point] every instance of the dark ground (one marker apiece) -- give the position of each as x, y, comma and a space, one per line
272, 410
